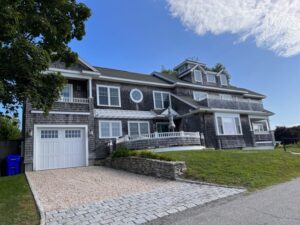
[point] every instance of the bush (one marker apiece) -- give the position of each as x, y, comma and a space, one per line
124, 152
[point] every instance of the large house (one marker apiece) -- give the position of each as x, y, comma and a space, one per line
100, 107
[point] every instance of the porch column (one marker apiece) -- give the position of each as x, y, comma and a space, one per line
90, 88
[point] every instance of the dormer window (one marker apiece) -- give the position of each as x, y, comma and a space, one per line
211, 78
197, 75
224, 80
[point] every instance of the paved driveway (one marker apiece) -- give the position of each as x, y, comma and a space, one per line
276, 205
99, 195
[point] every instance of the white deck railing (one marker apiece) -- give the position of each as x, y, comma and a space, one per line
74, 100
157, 135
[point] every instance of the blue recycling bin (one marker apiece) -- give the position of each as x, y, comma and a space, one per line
13, 164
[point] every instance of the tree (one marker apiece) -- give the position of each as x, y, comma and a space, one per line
9, 128
167, 71
218, 68
32, 34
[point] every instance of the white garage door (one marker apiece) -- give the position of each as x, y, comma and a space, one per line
60, 148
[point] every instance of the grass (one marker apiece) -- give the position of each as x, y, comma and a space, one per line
17, 205
250, 169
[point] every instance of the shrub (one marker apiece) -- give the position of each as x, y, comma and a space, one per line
124, 152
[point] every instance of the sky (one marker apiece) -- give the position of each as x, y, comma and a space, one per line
260, 52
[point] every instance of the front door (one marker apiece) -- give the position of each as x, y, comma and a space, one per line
162, 127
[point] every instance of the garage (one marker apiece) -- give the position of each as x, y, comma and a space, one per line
60, 147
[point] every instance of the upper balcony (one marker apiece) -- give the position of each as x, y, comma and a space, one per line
235, 103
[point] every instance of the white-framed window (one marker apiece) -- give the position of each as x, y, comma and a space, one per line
226, 97
223, 80
136, 95
49, 134
72, 133
199, 96
110, 129
108, 96
67, 91
198, 76
228, 124
259, 125
138, 128
161, 99
211, 78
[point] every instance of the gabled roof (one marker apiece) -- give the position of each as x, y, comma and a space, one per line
188, 61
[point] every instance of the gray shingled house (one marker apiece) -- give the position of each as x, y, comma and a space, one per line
100, 106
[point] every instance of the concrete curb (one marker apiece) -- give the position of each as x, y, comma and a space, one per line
209, 184
37, 201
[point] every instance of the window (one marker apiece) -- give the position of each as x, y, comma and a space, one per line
108, 96
259, 125
138, 128
136, 95
49, 134
72, 134
199, 96
161, 99
67, 91
226, 97
228, 124
223, 79
110, 129
211, 78
197, 75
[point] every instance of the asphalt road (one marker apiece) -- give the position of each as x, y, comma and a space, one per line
277, 205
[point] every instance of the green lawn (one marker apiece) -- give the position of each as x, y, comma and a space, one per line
250, 169
17, 205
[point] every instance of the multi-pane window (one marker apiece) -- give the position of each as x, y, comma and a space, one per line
67, 91
108, 95
72, 134
49, 134
228, 124
138, 128
226, 97
161, 99
199, 96
223, 79
197, 75
110, 129
259, 125
211, 78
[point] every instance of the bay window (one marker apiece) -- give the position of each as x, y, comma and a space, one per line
228, 124
259, 125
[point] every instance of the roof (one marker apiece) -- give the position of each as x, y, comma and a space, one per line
128, 75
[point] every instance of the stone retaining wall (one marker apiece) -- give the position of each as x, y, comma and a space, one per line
161, 142
150, 167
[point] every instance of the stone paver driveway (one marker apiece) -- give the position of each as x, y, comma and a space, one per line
99, 195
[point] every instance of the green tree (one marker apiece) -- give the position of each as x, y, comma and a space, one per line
9, 128
167, 71
218, 68
32, 34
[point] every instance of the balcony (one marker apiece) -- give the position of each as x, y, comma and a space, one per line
238, 104
74, 100
155, 140
72, 105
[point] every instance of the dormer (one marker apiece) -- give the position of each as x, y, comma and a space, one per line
186, 66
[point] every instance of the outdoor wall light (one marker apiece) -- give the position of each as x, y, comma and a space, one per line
91, 132
29, 133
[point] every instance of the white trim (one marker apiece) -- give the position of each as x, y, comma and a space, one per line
87, 64
110, 129
123, 114
248, 112
60, 112
109, 78
187, 71
90, 88
186, 102
262, 142
108, 95
221, 74
228, 115
198, 100
196, 80
141, 93
161, 92
138, 122
35, 146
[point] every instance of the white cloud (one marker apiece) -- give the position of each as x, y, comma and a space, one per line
274, 24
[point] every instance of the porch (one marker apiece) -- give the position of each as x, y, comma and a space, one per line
158, 140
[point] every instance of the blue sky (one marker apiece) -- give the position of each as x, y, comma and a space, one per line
142, 36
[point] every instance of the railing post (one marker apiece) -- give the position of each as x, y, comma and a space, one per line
156, 134
181, 133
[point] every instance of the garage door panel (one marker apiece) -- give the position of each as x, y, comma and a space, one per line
60, 148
